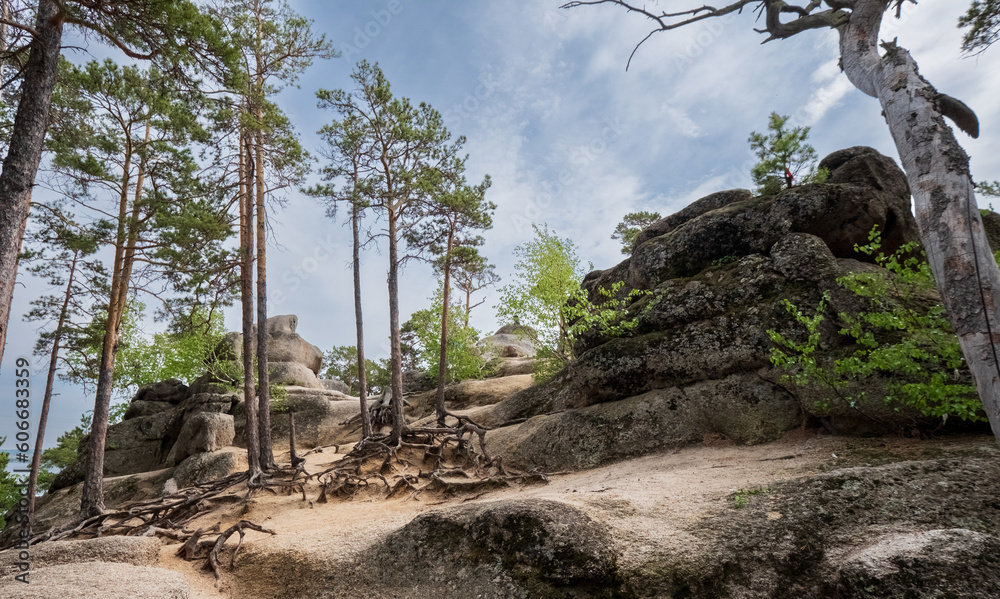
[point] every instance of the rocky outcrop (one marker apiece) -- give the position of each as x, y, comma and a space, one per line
510, 341
169, 423
202, 433
715, 276
464, 395
98, 579
138, 551
911, 529
501, 549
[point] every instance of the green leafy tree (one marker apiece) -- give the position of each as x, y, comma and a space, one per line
902, 338
342, 365
61, 456
632, 224
464, 359
547, 275
783, 150
9, 494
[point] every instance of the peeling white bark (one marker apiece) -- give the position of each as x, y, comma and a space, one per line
937, 169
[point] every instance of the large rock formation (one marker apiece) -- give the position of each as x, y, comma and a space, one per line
698, 363
169, 423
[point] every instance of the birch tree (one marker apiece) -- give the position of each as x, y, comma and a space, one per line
936, 166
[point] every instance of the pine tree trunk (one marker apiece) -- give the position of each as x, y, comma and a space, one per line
43, 415
25, 149
92, 495
366, 418
396, 355
938, 173
468, 305
443, 358
263, 383
246, 296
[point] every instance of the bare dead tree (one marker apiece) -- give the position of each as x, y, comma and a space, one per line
936, 166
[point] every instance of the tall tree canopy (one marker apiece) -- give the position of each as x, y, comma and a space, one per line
172, 32
936, 166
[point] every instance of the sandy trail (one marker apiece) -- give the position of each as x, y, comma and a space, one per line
647, 502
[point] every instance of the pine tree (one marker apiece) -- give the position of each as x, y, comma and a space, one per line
410, 146
632, 224
785, 157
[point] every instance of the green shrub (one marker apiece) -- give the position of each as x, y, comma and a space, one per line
903, 337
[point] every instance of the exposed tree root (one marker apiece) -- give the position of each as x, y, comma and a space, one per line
446, 461
213, 556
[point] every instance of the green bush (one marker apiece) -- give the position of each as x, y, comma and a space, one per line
903, 337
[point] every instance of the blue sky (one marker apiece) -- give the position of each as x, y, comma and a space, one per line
569, 137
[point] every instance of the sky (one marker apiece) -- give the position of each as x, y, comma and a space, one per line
569, 138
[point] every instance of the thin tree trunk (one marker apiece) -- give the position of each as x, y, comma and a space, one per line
25, 150
366, 418
263, 383
396, 356
246, 296
443, 359
43, 416
938, 173
92, 495
468, 306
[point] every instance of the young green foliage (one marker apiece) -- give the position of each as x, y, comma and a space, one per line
905, 337
464, 359
632, 224
342, 365
782, 150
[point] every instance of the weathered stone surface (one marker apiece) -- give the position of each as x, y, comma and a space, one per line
335, 385
292, 373
513, 366
708, 203
516, 344
98, 579
214, 403
318, 417
170, 391
469, 394
861, 165
203, 432
501, 549
803, 257
741, 408
204, 467
867, 532
139, 408
952, 562
138, 551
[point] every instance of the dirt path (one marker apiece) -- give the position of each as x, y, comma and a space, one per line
645, 501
